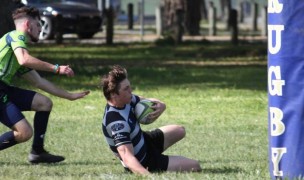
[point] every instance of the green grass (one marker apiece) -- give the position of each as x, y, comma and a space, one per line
216, 91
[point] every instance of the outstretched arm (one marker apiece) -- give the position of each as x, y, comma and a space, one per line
126, 153
36, 80
25, 59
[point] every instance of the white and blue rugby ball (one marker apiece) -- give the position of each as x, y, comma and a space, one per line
142, 110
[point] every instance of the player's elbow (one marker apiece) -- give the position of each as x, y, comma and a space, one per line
22, 61
128, 161
23, 57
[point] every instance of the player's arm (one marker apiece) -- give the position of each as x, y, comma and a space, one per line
25, 59
159, 107
36, 80
126, 153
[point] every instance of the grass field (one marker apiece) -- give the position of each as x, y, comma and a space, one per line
216, 91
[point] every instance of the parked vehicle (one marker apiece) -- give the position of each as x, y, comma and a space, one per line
60, 17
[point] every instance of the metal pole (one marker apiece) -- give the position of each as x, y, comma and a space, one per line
142, 15
99, 5
107, 4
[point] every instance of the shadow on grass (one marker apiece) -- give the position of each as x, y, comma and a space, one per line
152, 66
15, 164
236, 77
81, 163
224, 170
87, 163
70, 53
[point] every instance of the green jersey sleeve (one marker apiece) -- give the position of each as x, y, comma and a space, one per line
9, 65
18, 41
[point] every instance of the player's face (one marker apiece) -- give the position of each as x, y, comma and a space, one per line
125, 92
34, 29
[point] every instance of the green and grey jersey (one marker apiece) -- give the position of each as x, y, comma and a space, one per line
9, 65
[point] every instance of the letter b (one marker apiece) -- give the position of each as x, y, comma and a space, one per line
276, 123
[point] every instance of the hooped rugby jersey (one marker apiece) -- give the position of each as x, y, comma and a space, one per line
120, 127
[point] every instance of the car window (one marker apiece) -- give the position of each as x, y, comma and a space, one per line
42, 1
89, 2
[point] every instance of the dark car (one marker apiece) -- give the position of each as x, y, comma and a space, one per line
62, 17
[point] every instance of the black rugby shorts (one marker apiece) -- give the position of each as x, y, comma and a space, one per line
156, 161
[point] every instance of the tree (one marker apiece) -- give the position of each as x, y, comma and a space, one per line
173, 19
6, 20
193, 17
181, 16
204, 11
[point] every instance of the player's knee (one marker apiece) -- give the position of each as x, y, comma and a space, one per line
181, 131
48, 104
27, 135
45, 104
24, 135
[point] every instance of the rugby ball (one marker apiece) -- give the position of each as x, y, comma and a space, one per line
142, 110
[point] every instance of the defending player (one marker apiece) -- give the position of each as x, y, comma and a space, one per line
16, 60
138, 151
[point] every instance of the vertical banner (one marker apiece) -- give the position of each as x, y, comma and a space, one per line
286, 88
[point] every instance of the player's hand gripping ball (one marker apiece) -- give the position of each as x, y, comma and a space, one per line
142, 110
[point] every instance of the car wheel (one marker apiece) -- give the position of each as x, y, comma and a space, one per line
85, 35
46, 28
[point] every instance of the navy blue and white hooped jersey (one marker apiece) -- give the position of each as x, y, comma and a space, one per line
120, 126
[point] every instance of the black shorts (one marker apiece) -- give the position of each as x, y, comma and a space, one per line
13, 100
155, 160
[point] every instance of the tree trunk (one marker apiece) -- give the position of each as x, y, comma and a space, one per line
204, 12
254, 16
174, 13
193, 17
229, 14
234, 26
6, 20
